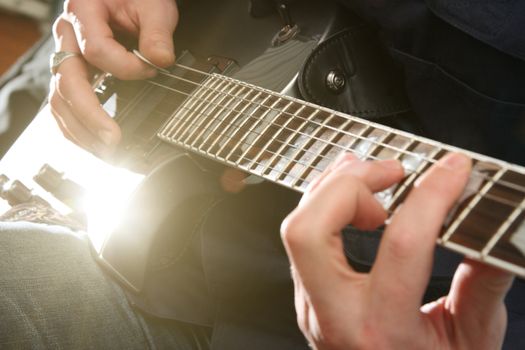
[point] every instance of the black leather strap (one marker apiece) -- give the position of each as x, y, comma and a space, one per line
373, 85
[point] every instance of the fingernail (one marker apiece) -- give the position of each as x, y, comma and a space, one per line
455, 161
106, 136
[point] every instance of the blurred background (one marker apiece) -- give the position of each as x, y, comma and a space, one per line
25, 46
22, 24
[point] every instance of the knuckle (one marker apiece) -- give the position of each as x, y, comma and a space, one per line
367, 336
91, 49
58, 26
334, 336
294, 230
70, 6
400, 246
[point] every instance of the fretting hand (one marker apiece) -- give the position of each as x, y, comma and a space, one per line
88, 28
339, 308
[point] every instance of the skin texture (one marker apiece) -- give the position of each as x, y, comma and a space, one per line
339, 308
90, 29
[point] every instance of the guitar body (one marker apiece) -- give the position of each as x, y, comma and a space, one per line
154, 194
232, 99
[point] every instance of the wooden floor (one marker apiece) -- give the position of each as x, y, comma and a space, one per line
17, 35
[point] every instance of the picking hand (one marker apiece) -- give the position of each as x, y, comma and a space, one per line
89, 28
339, 308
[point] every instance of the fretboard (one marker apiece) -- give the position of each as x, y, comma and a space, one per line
290, 142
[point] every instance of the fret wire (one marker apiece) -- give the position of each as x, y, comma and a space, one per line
503, 228
380, 139
287, 141
242, 111
410, 180
201, 113
207, 109
299, 149
238, 127
385, 128
372, 157
322, 151
397, 132
368, 126
388, 129
262, 134
405, 147
251, 130
202, 128
517, 210
471, 205
354, 151
194, 99
269, 164
232, 124
167, 138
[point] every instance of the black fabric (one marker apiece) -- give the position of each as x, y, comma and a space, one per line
234, 276
497, 23
466, 91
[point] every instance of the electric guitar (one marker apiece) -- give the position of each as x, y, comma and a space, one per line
211, 112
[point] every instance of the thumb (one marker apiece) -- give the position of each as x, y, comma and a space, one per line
157, 23
478, 290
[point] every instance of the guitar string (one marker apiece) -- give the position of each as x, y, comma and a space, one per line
475, 172
500, 182
189, 124
487, 195
184, 125
400, 152
240, 141
389, 211
306, 167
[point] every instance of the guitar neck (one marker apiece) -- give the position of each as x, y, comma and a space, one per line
290, 142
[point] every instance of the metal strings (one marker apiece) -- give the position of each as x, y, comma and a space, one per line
200, 110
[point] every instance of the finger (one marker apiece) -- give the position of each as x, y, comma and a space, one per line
311, 233
54, 100
342, 157
157, 24
90, 21
477, 294
377, 175
402, 268
72, 129
72, 82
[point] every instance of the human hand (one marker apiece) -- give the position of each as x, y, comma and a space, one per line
89, 28
339, 308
